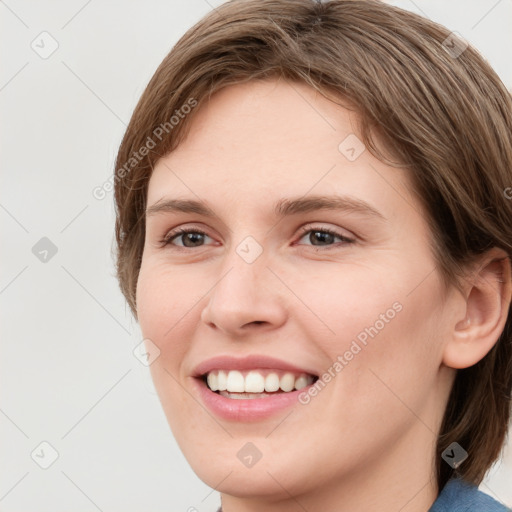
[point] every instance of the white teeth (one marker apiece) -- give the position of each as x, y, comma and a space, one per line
271, 382
287, 382
222, 381
255, 382
301, 382
213, 380
235, 382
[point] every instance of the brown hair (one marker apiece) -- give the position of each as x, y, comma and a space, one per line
442, 113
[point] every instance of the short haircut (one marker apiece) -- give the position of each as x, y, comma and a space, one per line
425, 101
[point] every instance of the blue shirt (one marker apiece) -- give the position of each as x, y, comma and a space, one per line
460, 496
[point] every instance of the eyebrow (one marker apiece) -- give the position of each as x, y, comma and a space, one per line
283, 207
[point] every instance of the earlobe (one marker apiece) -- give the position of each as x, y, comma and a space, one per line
488, 295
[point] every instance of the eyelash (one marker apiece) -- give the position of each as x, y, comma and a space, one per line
304, 230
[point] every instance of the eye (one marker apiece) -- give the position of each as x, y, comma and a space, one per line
189, 238
195, 237
322, 237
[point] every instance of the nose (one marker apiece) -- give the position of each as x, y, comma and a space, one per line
247, 298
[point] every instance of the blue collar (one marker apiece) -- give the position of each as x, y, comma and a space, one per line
460, 496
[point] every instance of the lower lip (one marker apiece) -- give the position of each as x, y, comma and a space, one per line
251, 409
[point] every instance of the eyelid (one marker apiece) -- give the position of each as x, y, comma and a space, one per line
179, 230
349, 236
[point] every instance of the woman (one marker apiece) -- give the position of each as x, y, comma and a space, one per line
313, 229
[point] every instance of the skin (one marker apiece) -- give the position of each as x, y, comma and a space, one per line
367, 440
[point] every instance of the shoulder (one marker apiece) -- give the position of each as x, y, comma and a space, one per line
460, 496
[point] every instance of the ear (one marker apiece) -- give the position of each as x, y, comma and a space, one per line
488, 292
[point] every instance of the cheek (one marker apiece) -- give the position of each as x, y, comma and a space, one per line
341, 302
373, 319
165, 298
167, 308
398, 350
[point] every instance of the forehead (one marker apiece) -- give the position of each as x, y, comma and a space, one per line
267, 119
265, 139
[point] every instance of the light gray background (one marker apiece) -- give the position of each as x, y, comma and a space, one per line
68, 374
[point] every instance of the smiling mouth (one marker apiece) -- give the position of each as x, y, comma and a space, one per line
261, 383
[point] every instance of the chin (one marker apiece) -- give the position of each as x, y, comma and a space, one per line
218, 464
255, 482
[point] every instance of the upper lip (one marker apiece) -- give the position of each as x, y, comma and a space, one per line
251, 362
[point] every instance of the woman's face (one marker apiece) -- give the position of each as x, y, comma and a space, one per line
280, 291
